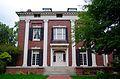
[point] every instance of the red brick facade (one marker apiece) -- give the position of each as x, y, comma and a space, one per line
52, 20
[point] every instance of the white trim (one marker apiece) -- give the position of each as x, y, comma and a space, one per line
67, 59
35, 58
26, 43
51, 62
60, 26
35, 48
73, 43
83, 59
35, 30
60, 36
94, 60
49, 17
36, 26
45, 46
105, 59
59, 44
62, 64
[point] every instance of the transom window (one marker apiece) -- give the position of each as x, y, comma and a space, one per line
59, 34
36, 33
35, 58
83, 59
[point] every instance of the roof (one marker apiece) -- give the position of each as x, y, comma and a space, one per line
29, 12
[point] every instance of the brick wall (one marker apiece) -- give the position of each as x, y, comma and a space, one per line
25, 70
66, 23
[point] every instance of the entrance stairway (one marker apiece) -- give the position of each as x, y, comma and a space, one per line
59, 71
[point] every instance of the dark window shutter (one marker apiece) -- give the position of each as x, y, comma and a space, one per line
66, 34
42, 33
40, 57
30, 34
78, 57
89, 57
29, 57
52, 34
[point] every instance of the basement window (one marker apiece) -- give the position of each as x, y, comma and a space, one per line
59, 15
37, 15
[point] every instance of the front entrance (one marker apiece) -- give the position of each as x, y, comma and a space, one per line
59, 58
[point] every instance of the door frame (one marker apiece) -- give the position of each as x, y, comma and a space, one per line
52, 52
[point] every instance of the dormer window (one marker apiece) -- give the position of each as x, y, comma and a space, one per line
37, 15
59, 15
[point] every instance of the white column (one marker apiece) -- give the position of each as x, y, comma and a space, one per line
94, 59
26, 43
45, 43
67, 57
73, 43
105, 59
51, 57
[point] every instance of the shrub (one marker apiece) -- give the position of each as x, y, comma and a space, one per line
20, 73
102, 75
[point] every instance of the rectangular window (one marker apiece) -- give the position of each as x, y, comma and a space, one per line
64, 57
59, 15
59, 34
37, 15
83, 59
54, 57
35, 58
36, 33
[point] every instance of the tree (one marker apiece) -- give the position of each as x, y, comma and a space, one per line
8, 49
99, 26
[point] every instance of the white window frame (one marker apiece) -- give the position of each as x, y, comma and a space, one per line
82, 53
34, 52
34, 39
55, 35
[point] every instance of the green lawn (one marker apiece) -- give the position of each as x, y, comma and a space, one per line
15, 76
83, 77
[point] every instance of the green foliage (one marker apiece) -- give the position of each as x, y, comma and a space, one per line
102, 75
8, 49
100, 25
15, 76
83, 77
20, 73
5, 57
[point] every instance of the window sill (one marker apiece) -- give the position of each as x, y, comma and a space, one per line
36, 40
59, 41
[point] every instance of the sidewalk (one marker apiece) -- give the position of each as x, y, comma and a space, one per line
59, 77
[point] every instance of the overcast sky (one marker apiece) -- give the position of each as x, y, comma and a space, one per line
9, 7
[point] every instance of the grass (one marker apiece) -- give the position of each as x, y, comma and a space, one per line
15, 76
83, 77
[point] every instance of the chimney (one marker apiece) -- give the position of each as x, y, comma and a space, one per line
47, 9
71, 9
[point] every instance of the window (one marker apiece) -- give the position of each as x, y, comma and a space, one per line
54, 57
83, 59
36, 33
35, 58
64, 57
59, 34
59, 15
37, 15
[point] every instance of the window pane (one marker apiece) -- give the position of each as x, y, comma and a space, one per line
37, 59
85, 59
59, 34
33, 59
64, 57
36, 33
54, 57
81, 59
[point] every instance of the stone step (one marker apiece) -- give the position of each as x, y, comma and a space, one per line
59, 71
